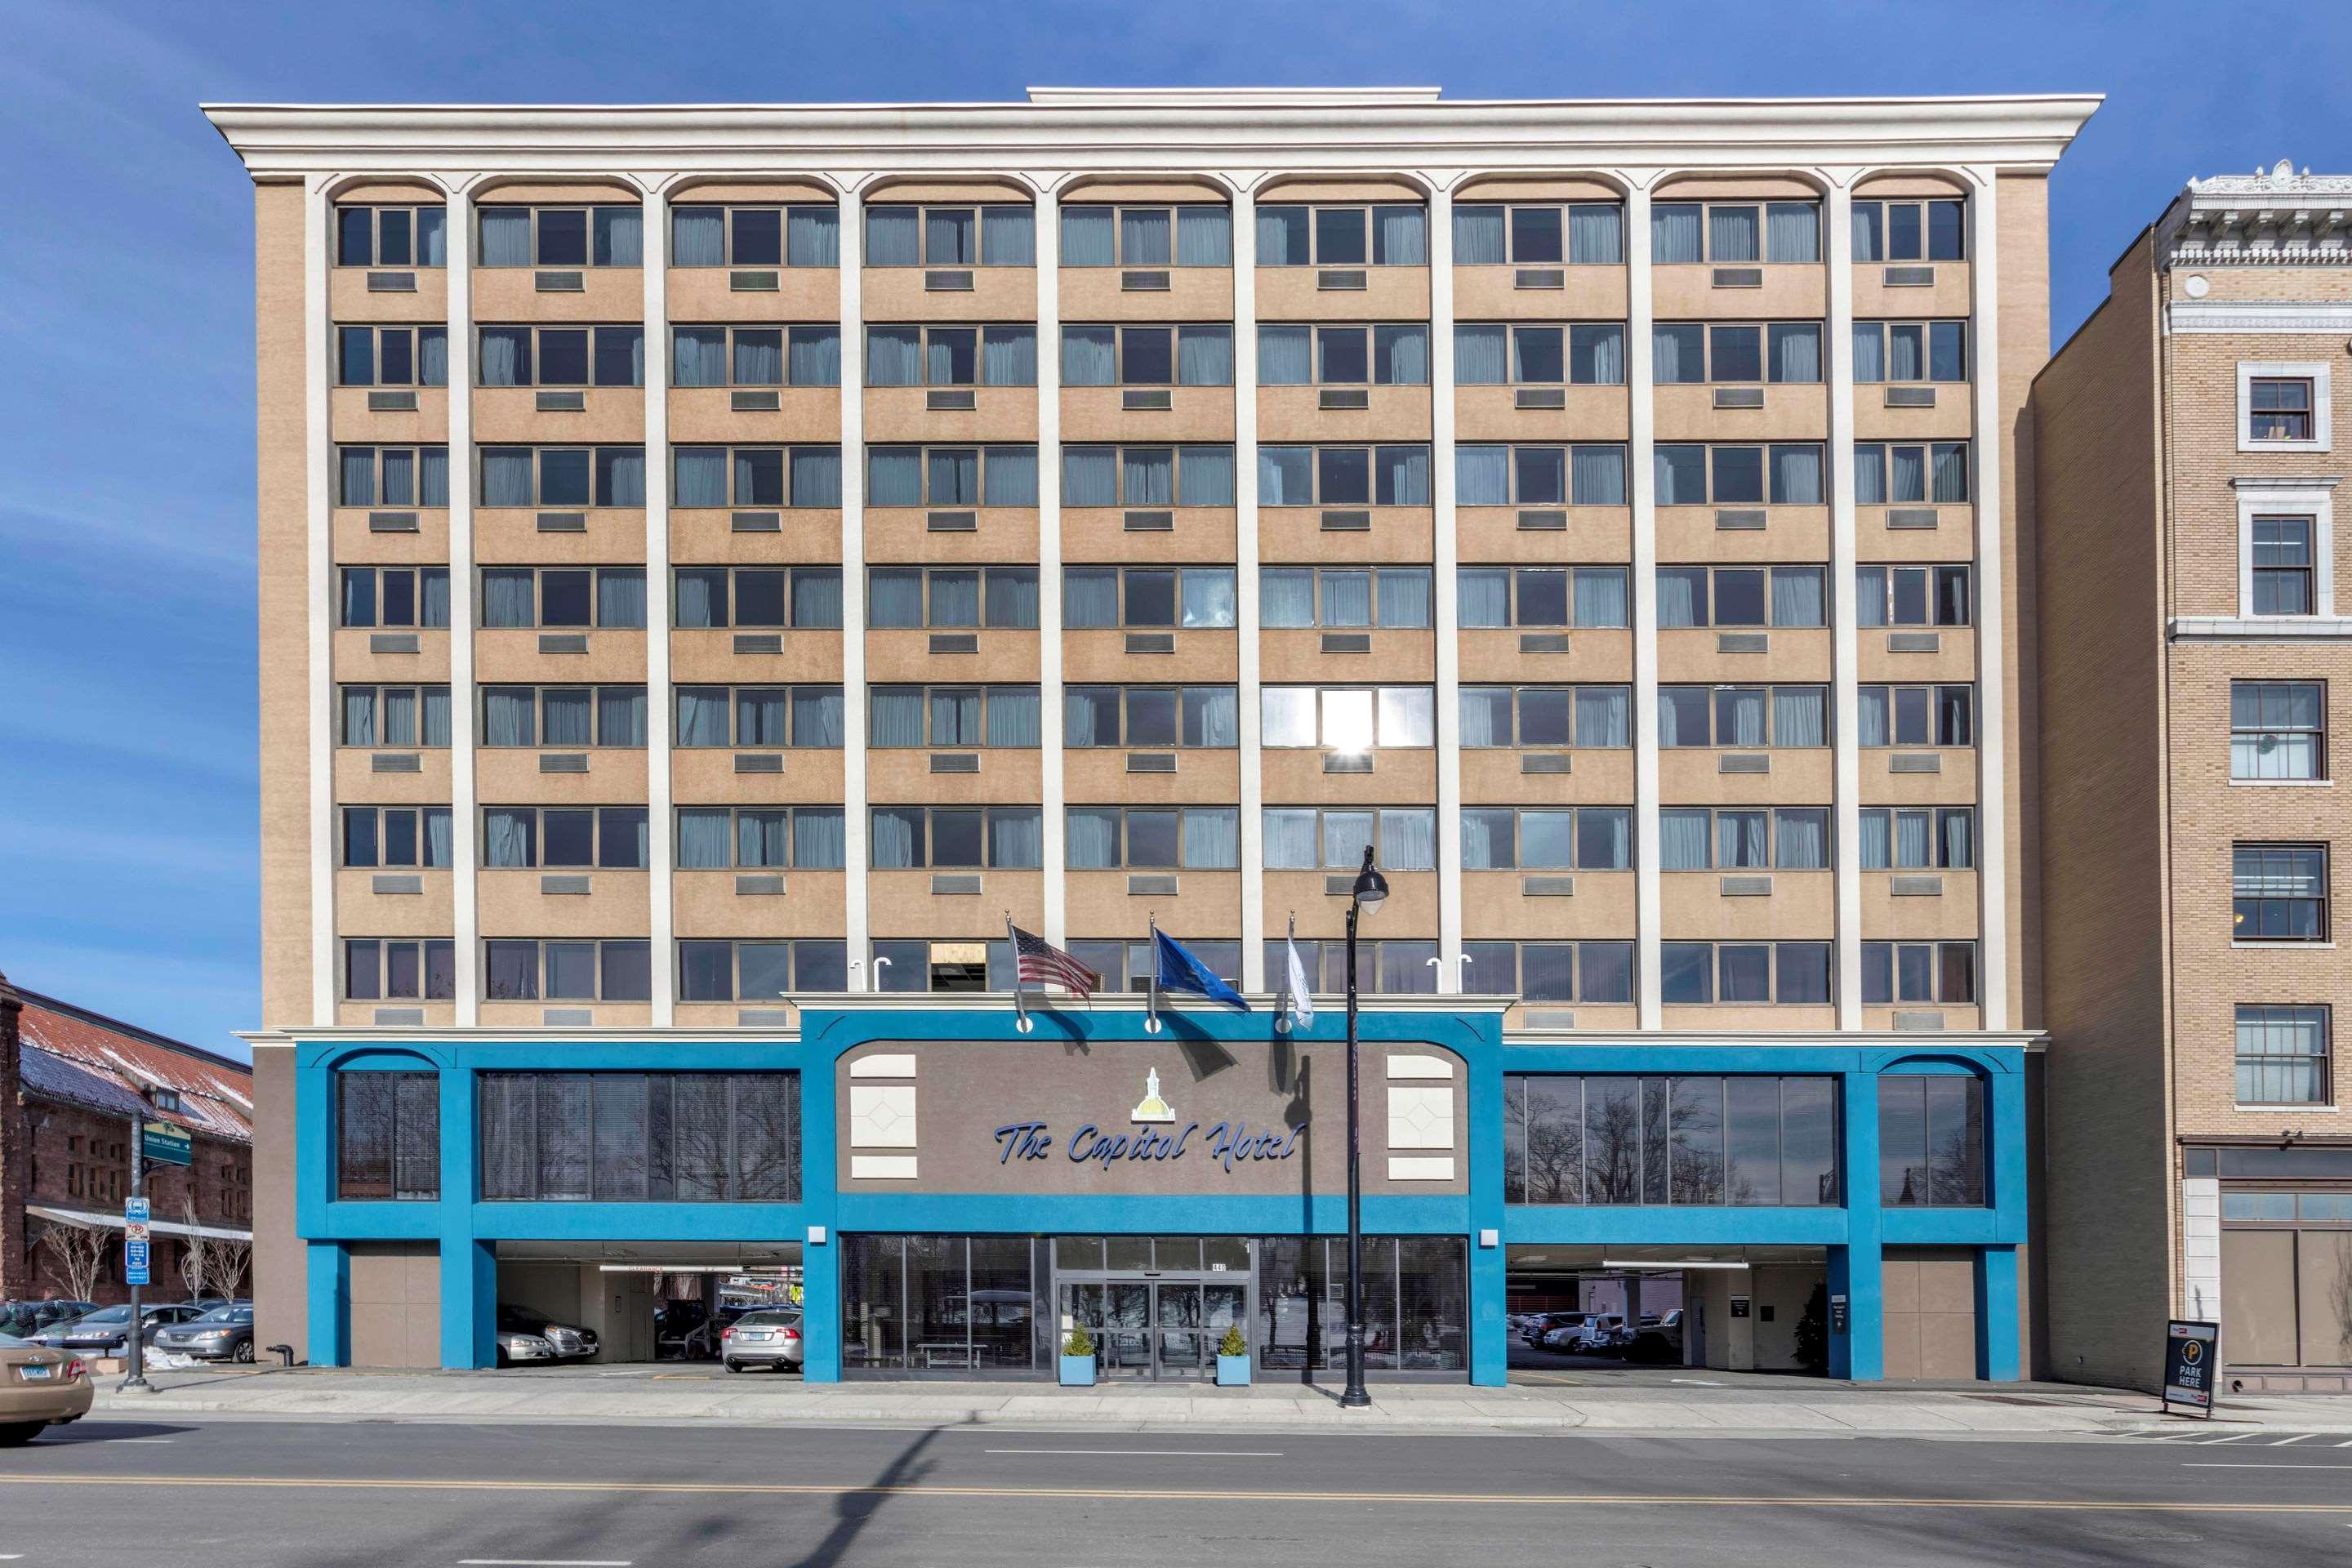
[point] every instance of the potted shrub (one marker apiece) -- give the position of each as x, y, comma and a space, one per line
1233, 1360
1079, 1359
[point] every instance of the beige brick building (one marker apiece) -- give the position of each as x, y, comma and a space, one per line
2196, 640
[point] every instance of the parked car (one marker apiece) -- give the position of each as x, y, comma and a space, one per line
26, 1318
107, 1331
39, 1387
766, 1336
1658, 1341
1562, 1330
225, 1333
565, 1342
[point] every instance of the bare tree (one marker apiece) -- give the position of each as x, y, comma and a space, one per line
199, 1256
81, 1252
231, 1260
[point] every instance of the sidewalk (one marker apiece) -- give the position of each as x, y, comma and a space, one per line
1709, 1404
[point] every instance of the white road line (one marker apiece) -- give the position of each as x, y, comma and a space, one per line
543, 1563
135, 1439
2298, 1437
2254, 1465
2232, 1437
1152, 1453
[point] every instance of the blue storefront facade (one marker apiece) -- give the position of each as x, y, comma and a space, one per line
960, 1186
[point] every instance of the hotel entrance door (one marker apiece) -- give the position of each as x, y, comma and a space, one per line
1164, 1328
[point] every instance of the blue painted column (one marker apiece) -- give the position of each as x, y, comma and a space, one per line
331, 1303
1854, 1273
819, 1208
469, 1269
1490, 1334
1997, 1348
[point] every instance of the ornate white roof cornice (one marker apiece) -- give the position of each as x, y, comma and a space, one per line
2268, 218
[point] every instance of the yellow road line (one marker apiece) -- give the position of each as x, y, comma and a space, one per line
1126, 1494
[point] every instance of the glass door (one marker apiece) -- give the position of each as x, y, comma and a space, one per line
1176, 1311
1124, 1336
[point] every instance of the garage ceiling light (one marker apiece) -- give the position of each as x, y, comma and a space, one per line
1670, 1263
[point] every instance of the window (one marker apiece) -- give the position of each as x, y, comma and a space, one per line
1348, 719
395, 595
917, 966
1380, 235
1585, 596
1531, 838
397, 836
755, 236
561, 237
392, 236
952, 716
1393, 968
1155, 716
1193, 598
2279, 892
563, 716
1147, 476
1711, 1141
803, 598
994, 236
799, 717
391, 475
1597, 972
1147, 236
634, 1137
1343, 476
1724, 233
1539, 476
561, 356
1200, 355
999, 838
1295, 354
1003, 355
1921, 838
759, 971
1002, 598
2278, 729
1918, 716
391, 356
608, 837
1743, 716
1912, 595
1548, 716
1780, 974
1153, 838
951, 476
1744, 839
1492, 354
395, 715
565, 971
1741, 596
1738, 476
609, 596
798, 356
1931, 1141
1906, 475
1901, 972
2283, 566
375, 969
1389, 597
1546, 233
2283, 1055
1737, 354
388, 1135
1910, 231
563, 476
1302, 838
755, 475
2281, 405
800, 837
1910, 350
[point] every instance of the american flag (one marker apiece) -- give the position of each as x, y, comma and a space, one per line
1039, 963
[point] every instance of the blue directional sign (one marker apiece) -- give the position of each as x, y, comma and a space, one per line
135, 1210
134, 1262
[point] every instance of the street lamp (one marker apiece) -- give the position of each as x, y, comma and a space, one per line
1371, 890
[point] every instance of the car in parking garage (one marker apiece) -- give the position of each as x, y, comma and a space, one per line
564, 1341
769, 1337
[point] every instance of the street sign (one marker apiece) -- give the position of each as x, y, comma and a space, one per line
135, 1209
136, 1231
134, 1262
2192, 1360
167, 1146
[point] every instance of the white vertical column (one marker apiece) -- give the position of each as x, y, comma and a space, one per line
853, 582
1641, 492
1445, 564
1845, 730
1992, 606
318, 500
465, 818
661, 834
1049, 555
1245, 582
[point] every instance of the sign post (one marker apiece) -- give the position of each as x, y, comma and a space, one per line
134, 1263
2192, 1361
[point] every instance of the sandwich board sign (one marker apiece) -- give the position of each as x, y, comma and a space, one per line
2192, 1360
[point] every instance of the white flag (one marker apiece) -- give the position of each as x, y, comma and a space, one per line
1302, 999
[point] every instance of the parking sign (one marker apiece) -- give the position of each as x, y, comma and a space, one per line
134, 1262
2191, 1363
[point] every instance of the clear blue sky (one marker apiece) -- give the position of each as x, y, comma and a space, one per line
127, 772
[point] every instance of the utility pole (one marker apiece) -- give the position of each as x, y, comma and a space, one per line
137, 1377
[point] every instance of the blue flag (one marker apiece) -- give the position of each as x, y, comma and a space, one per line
1179, 971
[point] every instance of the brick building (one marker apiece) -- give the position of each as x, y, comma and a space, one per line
2196, 654
72, 1083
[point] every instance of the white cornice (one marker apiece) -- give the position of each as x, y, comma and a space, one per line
1070, 130
2325, 318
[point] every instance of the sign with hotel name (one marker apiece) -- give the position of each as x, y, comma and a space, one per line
1226, 1144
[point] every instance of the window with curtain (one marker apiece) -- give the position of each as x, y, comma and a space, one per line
1677, 231
1342, 236
2282, 1055
1909, 230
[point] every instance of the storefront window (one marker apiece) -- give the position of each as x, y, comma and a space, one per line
1746, 1141
387, 1135
1415, 1301
948, 1304
1931, 1141
621, 1137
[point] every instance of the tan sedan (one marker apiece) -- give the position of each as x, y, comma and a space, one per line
39, 1386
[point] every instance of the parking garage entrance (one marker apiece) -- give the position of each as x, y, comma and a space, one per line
647, 1302
1574, 1310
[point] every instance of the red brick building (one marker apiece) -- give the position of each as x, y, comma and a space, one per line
72, 1085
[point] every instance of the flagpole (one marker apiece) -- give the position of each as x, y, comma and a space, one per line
1020, 1005
1151, 988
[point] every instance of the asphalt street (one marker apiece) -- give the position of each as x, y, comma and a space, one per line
450, 1495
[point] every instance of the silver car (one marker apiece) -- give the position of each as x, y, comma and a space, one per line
769, 1337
